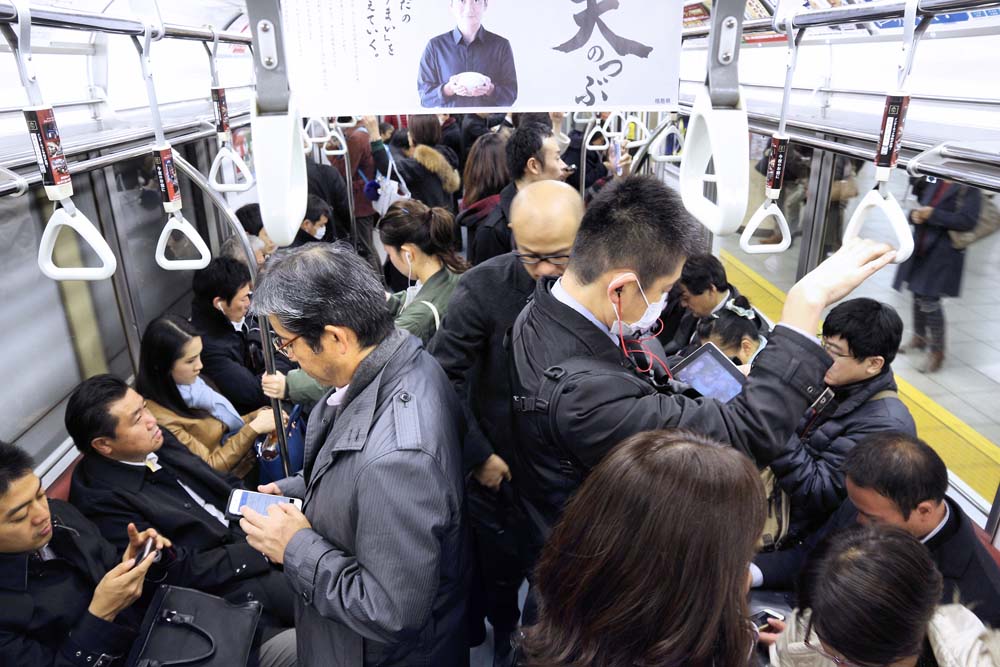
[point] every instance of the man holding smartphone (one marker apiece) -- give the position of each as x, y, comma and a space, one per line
66, 598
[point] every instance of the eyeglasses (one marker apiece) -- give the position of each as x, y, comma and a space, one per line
532, 258
834, 351
282, 345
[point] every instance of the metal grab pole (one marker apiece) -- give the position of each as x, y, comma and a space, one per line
202, 184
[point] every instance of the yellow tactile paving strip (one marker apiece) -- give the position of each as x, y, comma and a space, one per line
967, 453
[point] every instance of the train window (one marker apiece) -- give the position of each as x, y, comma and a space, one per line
57, 332
139, 219
949, 300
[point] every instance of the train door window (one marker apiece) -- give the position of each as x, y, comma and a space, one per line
765, 278
139, 219
949, 300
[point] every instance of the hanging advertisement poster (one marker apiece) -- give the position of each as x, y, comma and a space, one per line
417, 56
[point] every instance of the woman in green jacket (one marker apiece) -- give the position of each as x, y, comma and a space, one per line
422, 245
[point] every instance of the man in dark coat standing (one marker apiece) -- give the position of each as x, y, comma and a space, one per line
862, 337
469, 347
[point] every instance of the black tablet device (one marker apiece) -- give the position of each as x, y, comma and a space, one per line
711, 373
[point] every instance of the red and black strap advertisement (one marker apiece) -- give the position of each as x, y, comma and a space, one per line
47, 145
776, 163
892, 130
221, 110
166, 173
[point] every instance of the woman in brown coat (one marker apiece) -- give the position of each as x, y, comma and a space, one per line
200, 417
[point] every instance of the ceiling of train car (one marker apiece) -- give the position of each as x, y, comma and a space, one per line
204, 12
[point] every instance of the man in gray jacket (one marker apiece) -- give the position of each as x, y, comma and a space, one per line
379, 559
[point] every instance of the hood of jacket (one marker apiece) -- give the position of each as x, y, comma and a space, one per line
433, 161
956, 636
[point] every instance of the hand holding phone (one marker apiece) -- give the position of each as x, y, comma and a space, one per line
256, 501
761, 620
147, 549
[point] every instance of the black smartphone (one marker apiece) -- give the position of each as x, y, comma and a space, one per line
760, 619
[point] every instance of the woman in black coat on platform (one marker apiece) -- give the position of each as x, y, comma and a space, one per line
935, 268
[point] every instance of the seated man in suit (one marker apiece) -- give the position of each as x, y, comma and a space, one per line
67, 599
897, 480
134, 472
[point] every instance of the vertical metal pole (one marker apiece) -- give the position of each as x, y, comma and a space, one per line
814, 211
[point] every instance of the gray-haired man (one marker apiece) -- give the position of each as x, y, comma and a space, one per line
379, 559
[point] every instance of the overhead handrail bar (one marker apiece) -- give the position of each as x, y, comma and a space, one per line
66, 19
880, 198
47, 146
224, 136
9, 188
163, 160
277, 128
850, 14
717, 132
777, 160
19, 181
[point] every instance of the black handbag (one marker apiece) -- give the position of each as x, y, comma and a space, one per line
187, 627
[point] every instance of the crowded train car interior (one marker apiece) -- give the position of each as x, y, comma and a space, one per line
498, 332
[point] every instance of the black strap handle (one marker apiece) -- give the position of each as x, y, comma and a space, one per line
174, 617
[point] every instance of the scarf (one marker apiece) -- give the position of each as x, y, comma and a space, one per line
200, 396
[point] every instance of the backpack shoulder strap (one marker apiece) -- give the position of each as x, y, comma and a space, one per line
888, 393
434, 311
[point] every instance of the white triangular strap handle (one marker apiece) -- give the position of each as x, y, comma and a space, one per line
767, 210
599, 130
215, 177
339, 137
609, 124
282, 188
176, 222
642, 133
897, 221
320, 136
656, 157
722, 134
307, 144
85, 228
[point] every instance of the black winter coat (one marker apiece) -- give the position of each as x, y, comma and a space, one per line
469, 347
431, 174
43, 604
493, 237
809, 469
233, 360
600, 408
213, 557
935, 268
965, 565
326, 183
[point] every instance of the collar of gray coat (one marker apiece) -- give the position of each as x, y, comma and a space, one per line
372, 365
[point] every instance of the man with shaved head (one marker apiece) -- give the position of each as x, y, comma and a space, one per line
544, 218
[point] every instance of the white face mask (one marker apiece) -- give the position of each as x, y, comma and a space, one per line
644, 323
319, 233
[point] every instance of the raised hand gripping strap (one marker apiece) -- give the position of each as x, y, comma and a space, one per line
722, 137
85, 228
241, 168
767, 210
897, 221
176, 222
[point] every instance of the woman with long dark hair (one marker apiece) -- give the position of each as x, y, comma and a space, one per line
871, 597
648, 565
420, 242
486, 174
199, 417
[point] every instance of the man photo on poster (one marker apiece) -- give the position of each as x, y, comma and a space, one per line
468, 66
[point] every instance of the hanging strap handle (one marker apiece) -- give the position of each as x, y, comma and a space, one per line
213, 54
336, 134
890, 208
176, 222
768, 209
323, 136
225, 153
77, 221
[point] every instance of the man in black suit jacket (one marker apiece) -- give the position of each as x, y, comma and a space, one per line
134, 472
897, 480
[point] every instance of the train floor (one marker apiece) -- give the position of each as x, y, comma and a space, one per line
959, 402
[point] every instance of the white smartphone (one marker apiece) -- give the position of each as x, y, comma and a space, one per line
259, 502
